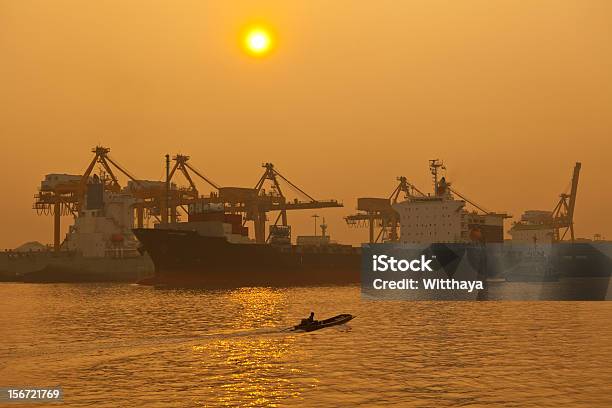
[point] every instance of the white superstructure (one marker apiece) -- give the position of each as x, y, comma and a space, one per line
441, 218
535, 226
105, 231
54, 180
431, 219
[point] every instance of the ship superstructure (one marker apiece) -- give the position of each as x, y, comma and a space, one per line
534, 226
103, 228
438, 217
442, 218
549, 226
211, 220
98, 247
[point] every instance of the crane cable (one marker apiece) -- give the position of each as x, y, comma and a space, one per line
470, 201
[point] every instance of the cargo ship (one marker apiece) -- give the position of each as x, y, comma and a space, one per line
212, 249
99, 245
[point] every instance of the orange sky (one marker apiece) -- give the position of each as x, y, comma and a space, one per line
509, 93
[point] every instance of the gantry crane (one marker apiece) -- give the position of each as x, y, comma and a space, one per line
102, 157
162, 199
563, 213
66, 198
256, 202
275, 200
57, 200
380, 212
181, 163
180, 197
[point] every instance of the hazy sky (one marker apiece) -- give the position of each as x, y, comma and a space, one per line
509, 93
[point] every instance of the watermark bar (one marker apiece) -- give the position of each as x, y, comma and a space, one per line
31, 394
449, 271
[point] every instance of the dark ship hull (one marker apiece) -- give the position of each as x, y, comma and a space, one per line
187, 259
563, 260
583, 260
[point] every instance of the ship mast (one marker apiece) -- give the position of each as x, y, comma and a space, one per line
434, 165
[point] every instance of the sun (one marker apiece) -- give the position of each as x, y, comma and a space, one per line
257, 41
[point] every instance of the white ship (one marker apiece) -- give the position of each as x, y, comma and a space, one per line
99, 246
442, 218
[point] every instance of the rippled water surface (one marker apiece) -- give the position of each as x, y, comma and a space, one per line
126, 345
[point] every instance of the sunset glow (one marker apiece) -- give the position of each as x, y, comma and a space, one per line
258, 41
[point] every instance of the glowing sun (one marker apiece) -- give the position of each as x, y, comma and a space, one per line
257, 41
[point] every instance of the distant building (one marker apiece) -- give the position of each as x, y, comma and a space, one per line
33, 246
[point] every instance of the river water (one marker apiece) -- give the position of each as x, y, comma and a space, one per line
127, 345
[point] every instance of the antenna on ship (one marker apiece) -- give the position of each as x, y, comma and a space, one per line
323, 228
434, 165
315, 216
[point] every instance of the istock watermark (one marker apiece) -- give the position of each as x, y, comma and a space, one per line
464, 271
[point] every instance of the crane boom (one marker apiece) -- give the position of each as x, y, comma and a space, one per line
469, 201
563, 213
202, 176
574, 191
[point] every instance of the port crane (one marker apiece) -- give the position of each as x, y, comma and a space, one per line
57, 200
174, 197
181, 163
162, 200
273, 200
256, 202
149, 194
155, 198
66, 197
563, 213
555, 224
379, 212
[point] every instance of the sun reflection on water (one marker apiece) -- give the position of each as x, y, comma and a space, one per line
259, 307
258, 371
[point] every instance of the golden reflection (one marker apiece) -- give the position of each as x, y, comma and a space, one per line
256, 370
259, 307
253, 367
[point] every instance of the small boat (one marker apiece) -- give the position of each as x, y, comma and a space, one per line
320, 324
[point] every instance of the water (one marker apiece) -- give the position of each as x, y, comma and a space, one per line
126, 345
